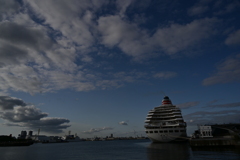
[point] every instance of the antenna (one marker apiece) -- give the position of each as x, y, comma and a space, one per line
38, 131
163, 93
134, 132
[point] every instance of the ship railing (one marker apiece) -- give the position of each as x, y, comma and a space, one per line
162, 126
176, 125
177, 112
150, 126
165, 110
165, 116
160, 114
166, 106
163, 120
163, 113
168, 116
150, 114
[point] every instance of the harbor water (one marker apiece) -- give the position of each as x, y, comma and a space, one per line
116, 150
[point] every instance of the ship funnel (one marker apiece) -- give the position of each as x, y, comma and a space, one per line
166, 100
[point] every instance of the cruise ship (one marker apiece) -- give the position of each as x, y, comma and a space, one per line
165, 123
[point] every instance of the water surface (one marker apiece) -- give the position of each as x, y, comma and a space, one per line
115, 150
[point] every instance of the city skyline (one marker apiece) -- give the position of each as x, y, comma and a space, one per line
97, 67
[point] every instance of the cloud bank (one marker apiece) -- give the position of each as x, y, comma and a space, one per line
123, 123
227, 105
47, 46
93, 130
188, 105
17, 113
218, 117
8, 103
227, 71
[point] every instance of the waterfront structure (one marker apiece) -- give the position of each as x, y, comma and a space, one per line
30, 133
204, 131
40, 138
6, 141
71, 138
218, 135
165, 123
23, 135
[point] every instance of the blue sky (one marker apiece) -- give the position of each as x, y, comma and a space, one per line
97, 67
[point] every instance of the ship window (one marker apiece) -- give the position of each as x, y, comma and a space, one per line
181, 130
160, 131
155, 131
170, 130
165, 131
146, 131
176, 130
151, 132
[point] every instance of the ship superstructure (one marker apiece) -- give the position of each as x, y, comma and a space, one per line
165, 123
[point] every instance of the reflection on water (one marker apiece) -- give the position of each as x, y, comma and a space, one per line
169, 151
218, 149
216, 152
117, 150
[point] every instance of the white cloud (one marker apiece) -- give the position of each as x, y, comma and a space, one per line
198, 9
228, 71
54, 51
188, 104
8, 103
233, 5
226, 7
33, 62
233, 38
123, 5
7, 8
20, 78
116, 32
165, 75
66, 17
128, 37
218, 117
50, 124
228, 105
17, 113
123, 123
176, 37
93, 130
23, 114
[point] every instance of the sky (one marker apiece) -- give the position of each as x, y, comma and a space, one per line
96, 67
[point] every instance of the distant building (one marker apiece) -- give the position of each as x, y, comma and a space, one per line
23, 135
217, 130
30, 133
205, 131
40, 138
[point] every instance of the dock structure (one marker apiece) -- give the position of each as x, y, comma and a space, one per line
210, 142
224, 135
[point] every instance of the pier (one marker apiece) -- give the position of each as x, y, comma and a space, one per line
223, 135
214, 142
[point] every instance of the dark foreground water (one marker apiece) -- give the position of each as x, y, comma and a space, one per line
115, 150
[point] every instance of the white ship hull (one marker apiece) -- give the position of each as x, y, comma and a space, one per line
167, 137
